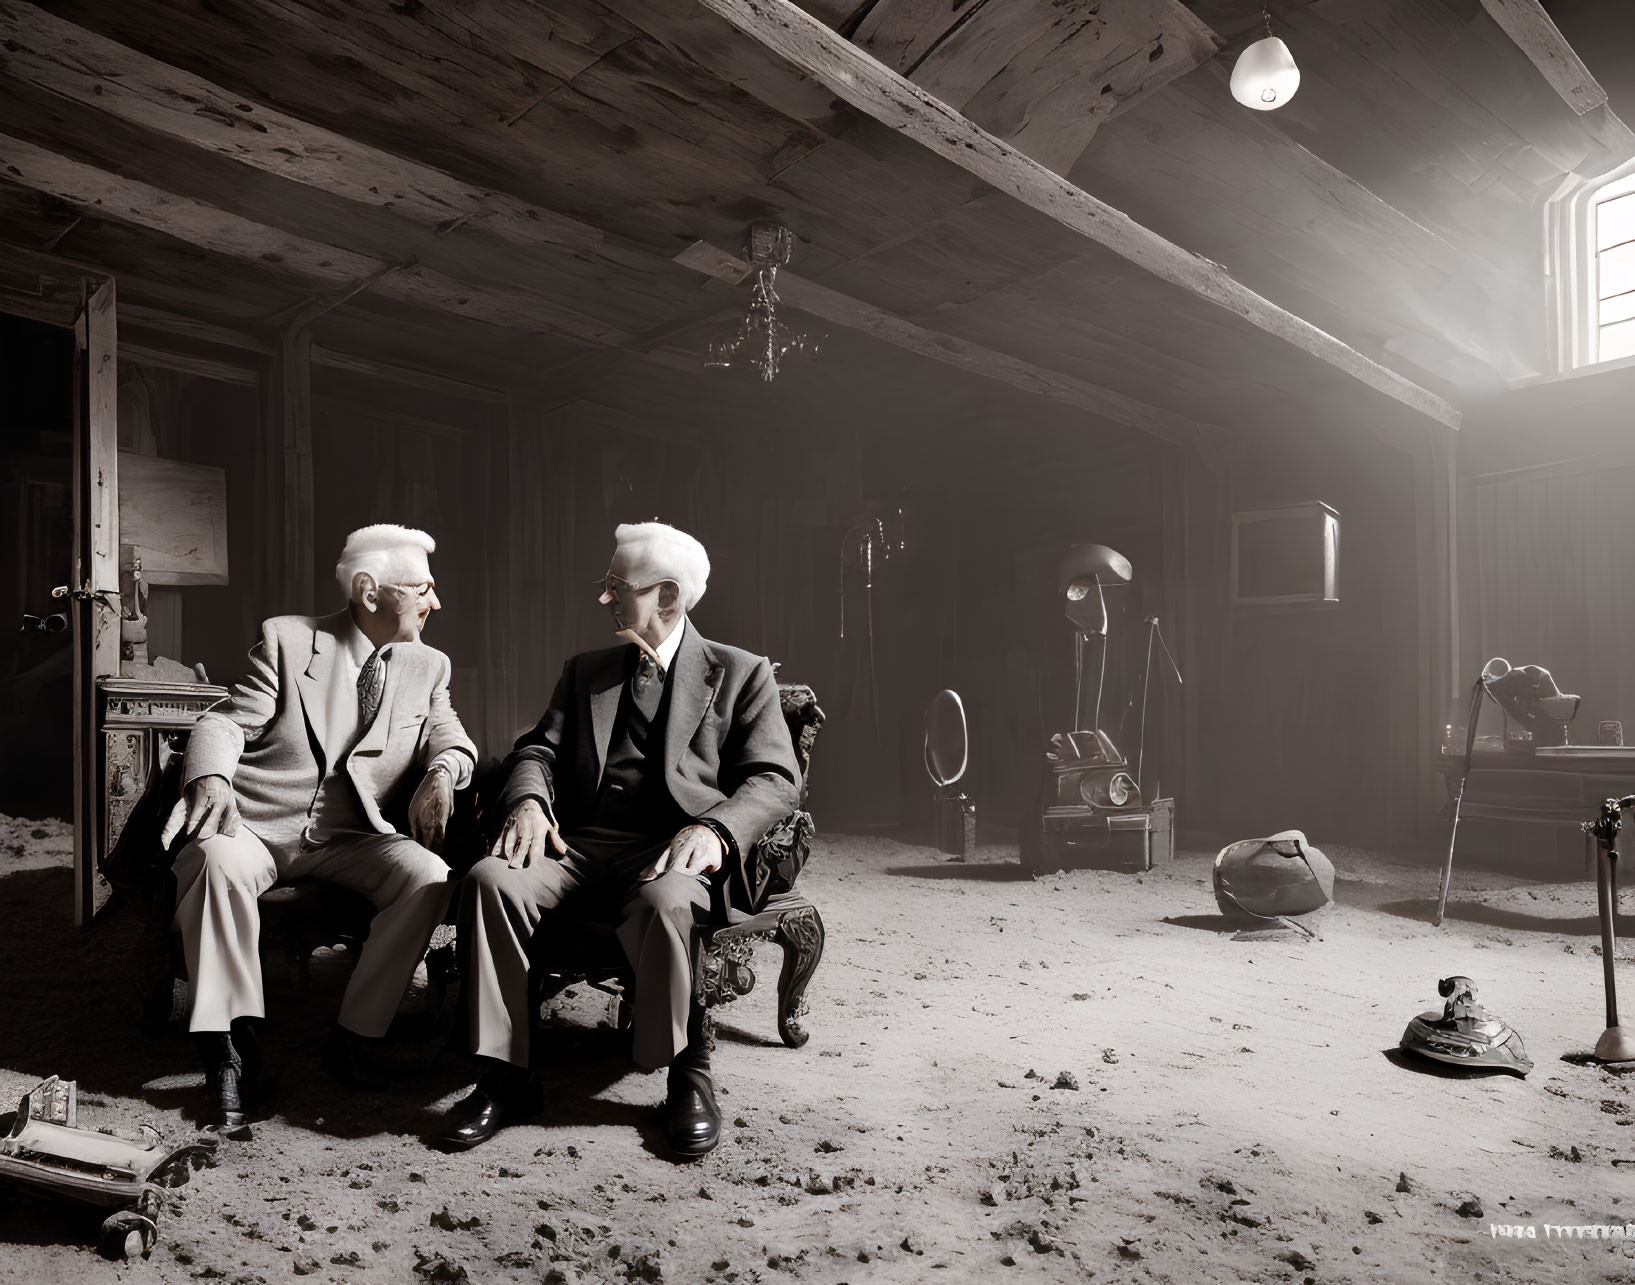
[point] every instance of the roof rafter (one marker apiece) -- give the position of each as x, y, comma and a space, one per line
865, 83
231, 235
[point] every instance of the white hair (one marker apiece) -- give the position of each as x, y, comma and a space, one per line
648, 552
386, 552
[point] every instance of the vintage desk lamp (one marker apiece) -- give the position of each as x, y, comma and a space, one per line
1089, 793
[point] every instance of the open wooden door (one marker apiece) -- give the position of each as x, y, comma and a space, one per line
94, 589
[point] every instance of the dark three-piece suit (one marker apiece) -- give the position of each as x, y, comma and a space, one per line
623, 759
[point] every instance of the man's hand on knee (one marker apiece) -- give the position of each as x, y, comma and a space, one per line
696, 850
526, 833
205, 808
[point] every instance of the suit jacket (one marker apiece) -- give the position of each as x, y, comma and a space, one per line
268, 737
728, 760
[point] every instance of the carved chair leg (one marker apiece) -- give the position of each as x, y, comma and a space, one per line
800, 933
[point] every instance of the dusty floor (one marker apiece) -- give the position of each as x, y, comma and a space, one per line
1232, 1111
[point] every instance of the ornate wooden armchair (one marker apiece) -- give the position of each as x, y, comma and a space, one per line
723, 970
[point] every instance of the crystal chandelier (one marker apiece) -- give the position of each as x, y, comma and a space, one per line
762, 341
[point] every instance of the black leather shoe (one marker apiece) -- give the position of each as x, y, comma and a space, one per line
501, 1096
693, 1118
476, 1119
223, 1071
347, 1059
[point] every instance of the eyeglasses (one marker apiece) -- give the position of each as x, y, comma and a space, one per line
422, 590
611, 586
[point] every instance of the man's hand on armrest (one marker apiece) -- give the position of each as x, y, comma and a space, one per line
431, 807
697, 849
205, 808
524, 837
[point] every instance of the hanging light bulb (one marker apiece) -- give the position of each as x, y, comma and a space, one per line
1265, 76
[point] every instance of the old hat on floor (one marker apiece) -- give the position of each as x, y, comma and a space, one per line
1273, 877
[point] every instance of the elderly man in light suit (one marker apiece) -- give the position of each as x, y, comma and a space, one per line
288, 778
659, 763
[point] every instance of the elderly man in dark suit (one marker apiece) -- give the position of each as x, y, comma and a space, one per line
289, 778
660, 763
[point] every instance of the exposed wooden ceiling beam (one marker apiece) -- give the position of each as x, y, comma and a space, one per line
392, 372
1532, 31
43, 286
1041, 74
235, 237
83, 67
159, 352
1525, 22
164, 321
843, 310
871, 87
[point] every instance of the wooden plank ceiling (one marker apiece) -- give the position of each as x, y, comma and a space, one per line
514, 179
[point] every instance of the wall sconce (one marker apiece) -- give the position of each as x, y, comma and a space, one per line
865, 546
762, 341
1265, 76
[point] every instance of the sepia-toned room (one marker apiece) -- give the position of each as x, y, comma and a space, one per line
816, 640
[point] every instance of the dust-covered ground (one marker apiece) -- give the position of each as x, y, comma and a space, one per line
1081, 1077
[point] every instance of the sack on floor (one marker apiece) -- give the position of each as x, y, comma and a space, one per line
1273, 877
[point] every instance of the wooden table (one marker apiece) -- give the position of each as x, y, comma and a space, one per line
1553, 785
1560, 785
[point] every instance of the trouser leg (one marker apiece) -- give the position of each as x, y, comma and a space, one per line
658, 922
217, 882
500, 908
409, 888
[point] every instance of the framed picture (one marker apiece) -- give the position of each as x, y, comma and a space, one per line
1287, 556
174, 517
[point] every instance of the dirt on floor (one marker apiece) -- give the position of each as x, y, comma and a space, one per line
1080, 1077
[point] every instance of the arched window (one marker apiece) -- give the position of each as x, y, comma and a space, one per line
1591, 229
1612, 220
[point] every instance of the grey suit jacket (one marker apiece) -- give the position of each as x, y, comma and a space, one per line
728, 760
267, 738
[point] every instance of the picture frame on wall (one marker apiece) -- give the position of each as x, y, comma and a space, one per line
1287, 556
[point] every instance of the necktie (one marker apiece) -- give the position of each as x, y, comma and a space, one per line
647, 686
370, 683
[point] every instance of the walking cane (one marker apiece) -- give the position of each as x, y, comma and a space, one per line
1616, 1044
1459, 798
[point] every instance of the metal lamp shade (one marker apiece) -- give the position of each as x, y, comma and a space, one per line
1265, 76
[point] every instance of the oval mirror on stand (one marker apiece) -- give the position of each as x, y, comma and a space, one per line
947, 756
947, 742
